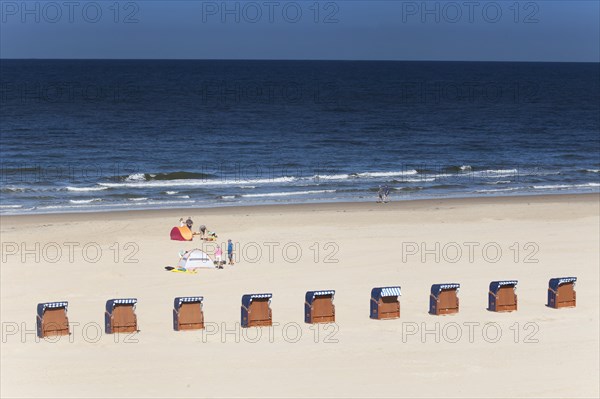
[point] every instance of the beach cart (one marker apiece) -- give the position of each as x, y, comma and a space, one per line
256, 310
444, 299
187, 313
502, 296
120, 316
561, 292
385, 303
52, 319
319, 307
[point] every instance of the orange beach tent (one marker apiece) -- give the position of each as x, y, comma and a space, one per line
181, 234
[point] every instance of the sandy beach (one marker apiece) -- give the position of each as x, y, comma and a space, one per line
286, 250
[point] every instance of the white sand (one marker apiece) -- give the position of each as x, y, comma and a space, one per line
556, 353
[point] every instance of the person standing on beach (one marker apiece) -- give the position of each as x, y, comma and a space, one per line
386, 193
230, 251
380, 194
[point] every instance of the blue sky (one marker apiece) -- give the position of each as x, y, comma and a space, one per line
353, 30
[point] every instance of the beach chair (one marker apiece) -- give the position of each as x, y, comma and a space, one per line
52, 319
319, 307
561, 292
385, 303
502, 296
256, 310
187, 313
120, 316
444, 299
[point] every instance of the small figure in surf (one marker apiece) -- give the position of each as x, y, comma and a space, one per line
383, 194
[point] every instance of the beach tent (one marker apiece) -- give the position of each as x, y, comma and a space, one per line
52, 319
195, 259
443, 299
256, 310
385, 303
561, 292
502, 296
319, 307
187, 313
181, 234
120, 316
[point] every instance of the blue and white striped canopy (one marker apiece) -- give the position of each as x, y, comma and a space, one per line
41, 307
247, 299
111, 303
125, 301
390, 291
565, 280
257, 296
190, 299
437, 288
323, 293
448, 286
495, 285
558, 281
51, 305
507, 282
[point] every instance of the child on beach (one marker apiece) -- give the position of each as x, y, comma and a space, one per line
189, 223
218, 257
181, 222
230, 251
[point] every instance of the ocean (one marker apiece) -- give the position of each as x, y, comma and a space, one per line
94, 135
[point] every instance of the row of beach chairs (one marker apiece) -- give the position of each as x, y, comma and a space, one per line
120, 317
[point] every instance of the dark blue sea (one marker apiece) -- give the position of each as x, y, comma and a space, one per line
87, 135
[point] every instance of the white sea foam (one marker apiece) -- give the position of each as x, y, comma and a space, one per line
86, 188
136, 177
288, 193
172, 192
227, 197
488, 172
154, 202
566, 186
388, 174
494, 173
115, 205
343, 176
86, 201
138, 199
465, 168
499, 182
497, 190
196, 182
439, 175
10, 206
593, 170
